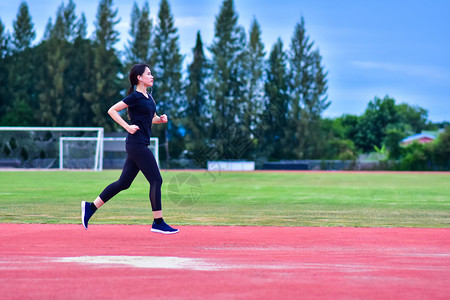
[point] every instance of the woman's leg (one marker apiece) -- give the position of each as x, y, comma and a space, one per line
129, 173
98, 202
146, 162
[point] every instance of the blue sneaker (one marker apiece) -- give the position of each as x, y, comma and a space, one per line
163, 228
86, 213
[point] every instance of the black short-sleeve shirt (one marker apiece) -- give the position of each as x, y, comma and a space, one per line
141, 111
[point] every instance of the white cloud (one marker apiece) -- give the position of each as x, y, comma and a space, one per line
189, 21
424, 71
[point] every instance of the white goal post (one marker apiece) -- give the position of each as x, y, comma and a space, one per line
98, 158
61, 147
154, 146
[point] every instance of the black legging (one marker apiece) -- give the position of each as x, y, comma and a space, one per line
139, 158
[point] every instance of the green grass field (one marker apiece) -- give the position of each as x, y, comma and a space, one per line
254, 198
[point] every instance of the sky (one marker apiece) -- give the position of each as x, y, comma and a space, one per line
369, 48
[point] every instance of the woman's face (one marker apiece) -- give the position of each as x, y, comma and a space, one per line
146, 78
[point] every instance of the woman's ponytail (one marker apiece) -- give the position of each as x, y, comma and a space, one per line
130, 90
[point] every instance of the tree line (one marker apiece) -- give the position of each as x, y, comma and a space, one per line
234, 100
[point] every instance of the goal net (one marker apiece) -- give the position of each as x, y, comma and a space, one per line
62, 147
114, 153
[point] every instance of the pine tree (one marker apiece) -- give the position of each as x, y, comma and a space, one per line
70, 21
138, 49
21, 86
4, 41
107, 87
48, 30
167, 66
274, 117
105, 33
81, 27
65, 24
55, 99
81, 76
196, 120
134, 20
24, 33
256, 66
3, 69
228, 83
307, 92
130, 50
52, 96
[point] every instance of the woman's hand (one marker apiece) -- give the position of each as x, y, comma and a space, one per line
132, 129
163, 118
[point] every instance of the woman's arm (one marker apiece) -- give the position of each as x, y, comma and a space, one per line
159, 120
114, 113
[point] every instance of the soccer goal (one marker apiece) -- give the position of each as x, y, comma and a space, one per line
60, 147
74, 151
40, 147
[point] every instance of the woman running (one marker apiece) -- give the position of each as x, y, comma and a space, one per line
142, 113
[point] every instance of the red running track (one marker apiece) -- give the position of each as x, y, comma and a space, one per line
130, 262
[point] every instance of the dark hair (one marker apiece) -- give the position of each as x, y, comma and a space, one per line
135, 71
